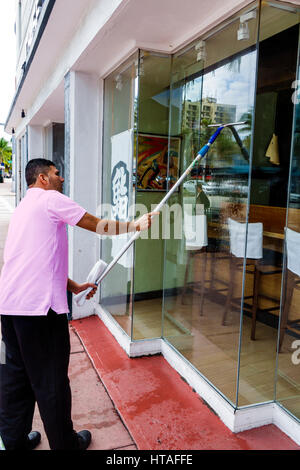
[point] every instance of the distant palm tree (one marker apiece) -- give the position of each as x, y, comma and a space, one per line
247, 127
5, 153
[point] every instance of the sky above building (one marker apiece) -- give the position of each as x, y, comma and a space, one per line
8, 60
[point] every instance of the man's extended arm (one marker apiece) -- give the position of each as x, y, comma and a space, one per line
114, 227
107, 227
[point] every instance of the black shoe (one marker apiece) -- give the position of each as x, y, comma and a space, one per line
34, 438
84, 439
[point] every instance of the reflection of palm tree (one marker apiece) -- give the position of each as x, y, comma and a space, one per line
247, 117
235, 65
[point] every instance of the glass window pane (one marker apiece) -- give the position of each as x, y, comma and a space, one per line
288, 372
118, 193
213, 82
278, 45
151, 184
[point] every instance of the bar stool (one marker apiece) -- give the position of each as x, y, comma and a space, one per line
198, 250
195, 231
237, 238
254, 257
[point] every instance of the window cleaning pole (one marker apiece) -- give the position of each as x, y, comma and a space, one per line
80, 298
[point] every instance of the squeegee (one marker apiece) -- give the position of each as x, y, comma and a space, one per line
101, 269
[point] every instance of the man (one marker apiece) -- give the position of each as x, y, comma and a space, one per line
201, 198
33, 308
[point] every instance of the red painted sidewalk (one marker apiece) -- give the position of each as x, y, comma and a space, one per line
158, 408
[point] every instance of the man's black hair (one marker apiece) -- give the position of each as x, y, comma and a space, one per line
35, 167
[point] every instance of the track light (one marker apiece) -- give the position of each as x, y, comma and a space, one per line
243, 33
119, 82
200, 47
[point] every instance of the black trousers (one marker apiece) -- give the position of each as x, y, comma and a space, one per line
35, 369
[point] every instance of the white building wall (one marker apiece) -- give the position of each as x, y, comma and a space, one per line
84, 174
35, 142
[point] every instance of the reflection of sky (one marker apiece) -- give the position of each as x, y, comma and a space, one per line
229, 85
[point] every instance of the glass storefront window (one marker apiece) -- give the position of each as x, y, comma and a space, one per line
213, 276
151, 163
278, 44
118, 194
213, 82
288, 355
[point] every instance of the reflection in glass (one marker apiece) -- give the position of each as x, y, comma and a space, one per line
203, 283
288, 371
152, 154
278, 44
215, 265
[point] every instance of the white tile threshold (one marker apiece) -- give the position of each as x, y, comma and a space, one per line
236, 420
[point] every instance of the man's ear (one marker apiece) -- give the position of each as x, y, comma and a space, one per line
44, 179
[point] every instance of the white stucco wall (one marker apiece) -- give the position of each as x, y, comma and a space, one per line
85, 100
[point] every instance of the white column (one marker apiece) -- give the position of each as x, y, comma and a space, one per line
35, 142
83, 133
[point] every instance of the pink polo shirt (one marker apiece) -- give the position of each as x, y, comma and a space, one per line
35, 272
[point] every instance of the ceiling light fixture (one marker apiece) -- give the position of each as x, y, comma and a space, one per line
200, 48
119, 82
243, 33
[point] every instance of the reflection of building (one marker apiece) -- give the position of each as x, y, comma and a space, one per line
217, 113
191, 114
79, 83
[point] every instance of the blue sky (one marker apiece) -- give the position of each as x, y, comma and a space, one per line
235, 86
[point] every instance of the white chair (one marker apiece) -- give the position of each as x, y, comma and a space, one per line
254, 255
237, 236
195, 231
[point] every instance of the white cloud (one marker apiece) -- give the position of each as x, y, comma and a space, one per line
234, 86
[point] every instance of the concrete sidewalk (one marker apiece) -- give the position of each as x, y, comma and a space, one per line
161, 411
92, 407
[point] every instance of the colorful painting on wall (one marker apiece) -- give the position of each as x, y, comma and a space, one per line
152, 164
